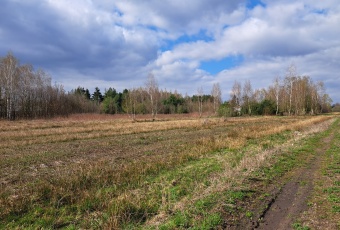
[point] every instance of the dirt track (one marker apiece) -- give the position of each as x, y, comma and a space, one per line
291, 200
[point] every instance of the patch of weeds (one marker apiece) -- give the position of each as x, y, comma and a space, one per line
331, 190
181, 219
267, 145
229, 208
210, 221
207, 183
303, 183
249, 214
206, 203
283, 164
336, 208
334, 198
177, 192
299, 226
263, 196
232, 196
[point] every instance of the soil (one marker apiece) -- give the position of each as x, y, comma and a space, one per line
290, 201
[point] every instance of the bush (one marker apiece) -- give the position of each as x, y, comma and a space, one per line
266, 107
225, 110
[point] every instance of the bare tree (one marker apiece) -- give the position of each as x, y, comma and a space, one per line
235, 95
131, 103
200, 94
26, 93
290, 79
151, 86
216, 93
8, 71
276, 88
247, 95
320, 91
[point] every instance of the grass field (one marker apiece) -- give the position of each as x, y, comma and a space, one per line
108, 172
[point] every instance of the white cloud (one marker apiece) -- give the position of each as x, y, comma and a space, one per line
270, 39
177, 16
120, 42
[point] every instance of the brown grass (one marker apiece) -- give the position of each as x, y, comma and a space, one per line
252, 161
64, 162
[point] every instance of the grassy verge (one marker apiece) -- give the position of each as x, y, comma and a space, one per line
324, 205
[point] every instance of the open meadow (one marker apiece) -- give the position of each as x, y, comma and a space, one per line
110, 172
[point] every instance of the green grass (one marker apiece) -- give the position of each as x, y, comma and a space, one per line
332, 171
205, 212
326, 191
93, 196
293, 157
299, 226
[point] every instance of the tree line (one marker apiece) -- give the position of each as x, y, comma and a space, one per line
291, 95
146, 100
26, 93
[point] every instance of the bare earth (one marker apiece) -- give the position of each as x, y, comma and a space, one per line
291, 201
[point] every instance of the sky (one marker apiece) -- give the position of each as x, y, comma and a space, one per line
186, 45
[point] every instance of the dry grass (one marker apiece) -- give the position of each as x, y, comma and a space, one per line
86, 168
255, 158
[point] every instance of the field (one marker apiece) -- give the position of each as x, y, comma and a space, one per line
96, 172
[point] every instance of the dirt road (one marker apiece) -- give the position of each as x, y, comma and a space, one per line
291, 200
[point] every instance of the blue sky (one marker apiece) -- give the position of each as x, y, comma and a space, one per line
185, 44
215, 66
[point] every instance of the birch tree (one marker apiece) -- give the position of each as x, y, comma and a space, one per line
200, 94
235, 95
276, 89
151, 87
247, 96
216, 94
290, 79
8, 72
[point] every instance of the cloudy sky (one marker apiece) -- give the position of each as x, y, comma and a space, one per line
185, 44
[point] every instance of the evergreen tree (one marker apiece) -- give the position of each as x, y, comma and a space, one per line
97, 96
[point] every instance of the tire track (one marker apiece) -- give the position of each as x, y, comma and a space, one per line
291, 200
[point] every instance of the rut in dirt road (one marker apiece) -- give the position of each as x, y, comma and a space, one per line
291, 201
